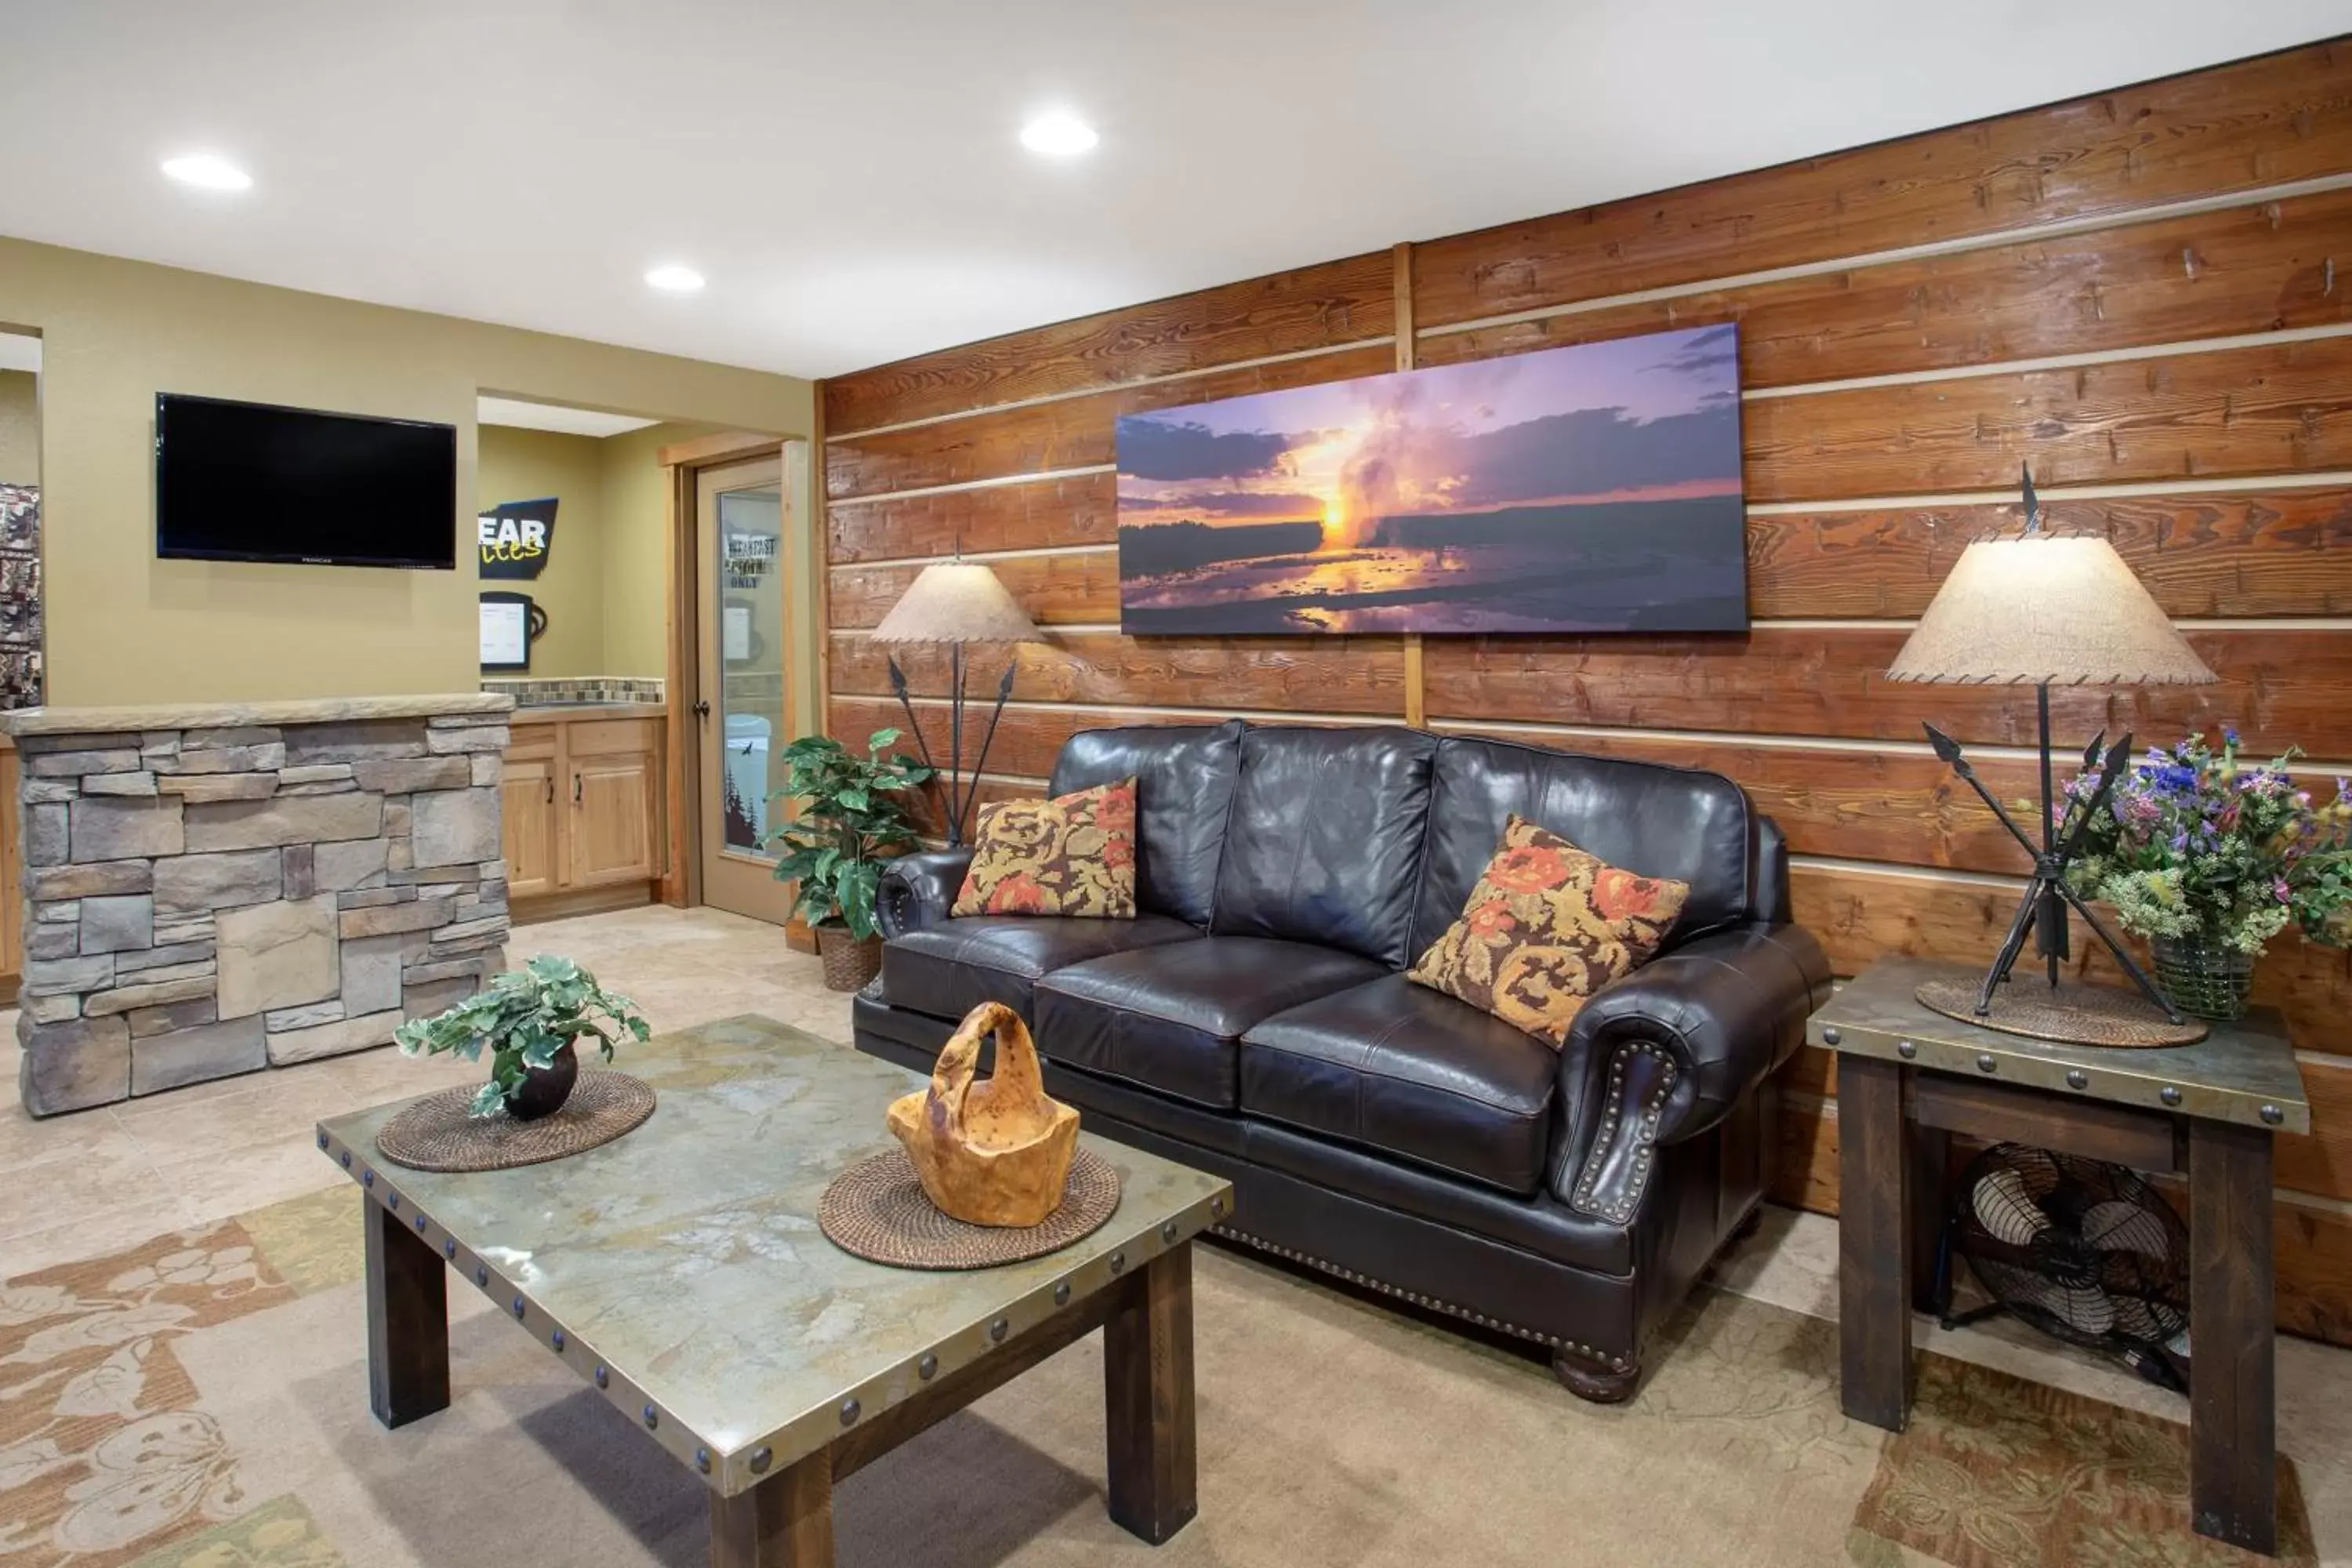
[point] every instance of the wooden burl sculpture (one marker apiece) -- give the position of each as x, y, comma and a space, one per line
996, 1151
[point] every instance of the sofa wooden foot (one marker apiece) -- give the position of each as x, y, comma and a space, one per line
1592, 1381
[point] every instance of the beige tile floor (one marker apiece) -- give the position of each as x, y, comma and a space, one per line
79, 1186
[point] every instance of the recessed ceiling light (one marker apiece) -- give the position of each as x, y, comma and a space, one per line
674, 280
1059, 134
207, 171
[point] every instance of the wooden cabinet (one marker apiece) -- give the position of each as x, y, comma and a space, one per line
582, 803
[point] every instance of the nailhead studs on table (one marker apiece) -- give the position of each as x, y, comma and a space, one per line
2272, 1115
1986, 1063
347, 1159
849, 1410
1168, 1232
603, 1378
482, 1276
421, 1223
1829, 1036
1062, 1294
2078, 1079
1907, 1049
702, 1460
1217, 1206
996, 1331
556, 1339
519, 1305
927, 1368
449, 1249
653, 1418
2169, 1094
1118, 1262
367, 1179
322, 1140
395, 1202
760, 1459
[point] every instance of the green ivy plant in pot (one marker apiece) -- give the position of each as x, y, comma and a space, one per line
2208, 857
530, 1021
852, 819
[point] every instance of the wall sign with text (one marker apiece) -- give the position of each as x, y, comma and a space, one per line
516, 537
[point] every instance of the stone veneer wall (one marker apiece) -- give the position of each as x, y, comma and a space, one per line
213, 898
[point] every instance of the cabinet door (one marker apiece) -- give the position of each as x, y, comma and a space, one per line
531, 814
614, 778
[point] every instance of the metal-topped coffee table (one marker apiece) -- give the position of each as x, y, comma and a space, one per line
680, 1271
1909, 1077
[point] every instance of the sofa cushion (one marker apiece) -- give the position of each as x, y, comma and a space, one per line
1396, 1066
1325, 842
1545, 927
1185, 776
1655, 821
948, 969
1072, 855
1170, 1017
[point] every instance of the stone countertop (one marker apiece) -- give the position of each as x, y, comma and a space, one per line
570, 713
233, 715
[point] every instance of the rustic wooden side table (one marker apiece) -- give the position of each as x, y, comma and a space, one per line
1908, 1078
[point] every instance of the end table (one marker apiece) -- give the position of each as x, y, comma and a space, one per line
1909, 1077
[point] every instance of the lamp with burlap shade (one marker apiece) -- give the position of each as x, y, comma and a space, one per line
956, 604
2042, 611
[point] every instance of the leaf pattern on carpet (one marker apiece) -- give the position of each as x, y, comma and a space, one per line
312, 1242
280, 1533
101, 1453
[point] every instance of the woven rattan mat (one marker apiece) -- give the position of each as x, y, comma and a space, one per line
2073, 1015
438, 1133
877, 1210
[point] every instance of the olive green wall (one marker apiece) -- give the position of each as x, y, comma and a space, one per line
124, 626
525, 465
20, 427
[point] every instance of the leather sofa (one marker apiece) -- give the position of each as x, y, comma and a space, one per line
1255, 1019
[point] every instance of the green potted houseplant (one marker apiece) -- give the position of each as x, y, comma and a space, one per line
530, 1021
852, 818
2209, 859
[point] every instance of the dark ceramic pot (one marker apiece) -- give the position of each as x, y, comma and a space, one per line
544, 1090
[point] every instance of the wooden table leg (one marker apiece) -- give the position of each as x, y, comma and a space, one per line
785, 1521
1874, 1261
407, 1319
1147, 1400
1929, 1153
2232, 1374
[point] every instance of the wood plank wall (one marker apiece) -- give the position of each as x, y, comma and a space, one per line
2137, 292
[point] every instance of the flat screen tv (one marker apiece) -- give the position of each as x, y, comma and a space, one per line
245, 481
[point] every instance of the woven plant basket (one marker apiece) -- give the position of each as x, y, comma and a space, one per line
849, 963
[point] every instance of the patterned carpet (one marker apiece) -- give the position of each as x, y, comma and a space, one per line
200, 1402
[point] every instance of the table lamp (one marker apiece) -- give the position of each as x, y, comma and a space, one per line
956, 604
2041, 610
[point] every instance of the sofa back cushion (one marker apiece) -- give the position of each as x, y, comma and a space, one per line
1184, 777
1655, 821
1325, 842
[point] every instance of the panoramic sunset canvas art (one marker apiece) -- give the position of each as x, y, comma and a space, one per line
1588, 489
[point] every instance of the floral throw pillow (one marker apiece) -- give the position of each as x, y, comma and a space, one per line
1072, 855
1545, 927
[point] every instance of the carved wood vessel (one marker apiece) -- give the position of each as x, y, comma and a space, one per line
996, 1151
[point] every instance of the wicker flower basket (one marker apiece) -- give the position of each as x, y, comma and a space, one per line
849, 963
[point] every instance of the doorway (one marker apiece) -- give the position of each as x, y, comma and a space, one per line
744, 714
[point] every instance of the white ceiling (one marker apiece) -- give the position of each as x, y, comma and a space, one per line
848, 176
523, 416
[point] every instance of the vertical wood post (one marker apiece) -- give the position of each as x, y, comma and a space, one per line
2232, 1370
1416, 710
1874, 1256
408, 1321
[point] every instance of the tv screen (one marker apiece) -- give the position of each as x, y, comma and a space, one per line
244, 481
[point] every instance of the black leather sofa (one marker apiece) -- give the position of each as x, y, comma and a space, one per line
1255, 1019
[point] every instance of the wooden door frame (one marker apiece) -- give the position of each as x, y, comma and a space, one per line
681, 883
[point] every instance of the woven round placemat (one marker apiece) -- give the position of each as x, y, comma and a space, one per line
877, 1210
439, 1133
2073, 1015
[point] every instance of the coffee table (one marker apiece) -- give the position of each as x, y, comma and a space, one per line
679, 1271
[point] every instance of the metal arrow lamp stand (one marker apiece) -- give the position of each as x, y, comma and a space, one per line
956, 604
2040, 610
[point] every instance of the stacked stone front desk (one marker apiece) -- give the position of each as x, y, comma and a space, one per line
213, 890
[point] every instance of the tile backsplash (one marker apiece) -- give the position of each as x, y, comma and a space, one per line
573, 690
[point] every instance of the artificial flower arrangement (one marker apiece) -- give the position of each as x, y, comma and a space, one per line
2200, 851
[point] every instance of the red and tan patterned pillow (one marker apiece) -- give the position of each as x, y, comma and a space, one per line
1545, 927
1072, 855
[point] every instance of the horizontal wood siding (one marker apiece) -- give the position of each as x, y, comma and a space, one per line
2144, 294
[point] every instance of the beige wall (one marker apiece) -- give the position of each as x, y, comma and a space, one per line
20, 427
124, 626
636, 548
525, 465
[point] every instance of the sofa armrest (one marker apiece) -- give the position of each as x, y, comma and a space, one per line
917, 891
1670, 1050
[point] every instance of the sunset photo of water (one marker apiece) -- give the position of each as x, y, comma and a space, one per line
1589, 489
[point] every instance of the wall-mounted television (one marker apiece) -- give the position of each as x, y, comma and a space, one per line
247, 481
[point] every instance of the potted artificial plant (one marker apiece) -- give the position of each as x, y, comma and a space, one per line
530, 1020
852, 818
2208, 857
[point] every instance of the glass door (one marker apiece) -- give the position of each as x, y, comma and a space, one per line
742, 518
